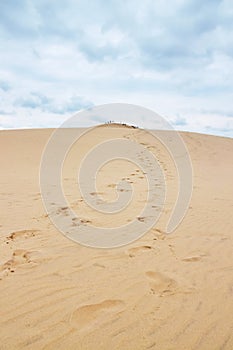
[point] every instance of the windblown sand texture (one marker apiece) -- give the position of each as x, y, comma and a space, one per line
160, 292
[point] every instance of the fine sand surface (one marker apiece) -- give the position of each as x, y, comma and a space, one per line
160, 292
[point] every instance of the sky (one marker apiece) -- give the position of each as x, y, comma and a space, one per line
61, 56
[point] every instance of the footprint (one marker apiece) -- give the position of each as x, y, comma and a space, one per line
96, 193
22, 234
37, 196
63, 211
88, 314
192, 258
133, 251
112, 185
76, 222
141, 218
85, 221
19, 257
151, 147
122, 190
161, 284
99, 265
158, 234
80, 200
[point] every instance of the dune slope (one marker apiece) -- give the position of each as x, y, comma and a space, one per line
160, 292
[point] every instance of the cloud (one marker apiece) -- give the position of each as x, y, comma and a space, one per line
59, 57
3, 112
38, 101
35, 100
5, 86
179, 121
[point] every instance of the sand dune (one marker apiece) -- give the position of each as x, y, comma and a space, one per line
160, 292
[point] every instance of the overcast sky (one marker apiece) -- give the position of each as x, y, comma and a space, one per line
174, 57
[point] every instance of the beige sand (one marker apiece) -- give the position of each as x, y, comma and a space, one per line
161, 292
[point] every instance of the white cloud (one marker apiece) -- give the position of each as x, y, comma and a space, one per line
176, 59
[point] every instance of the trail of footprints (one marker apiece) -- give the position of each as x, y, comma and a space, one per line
19, 256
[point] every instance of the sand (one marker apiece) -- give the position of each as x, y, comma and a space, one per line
160, 292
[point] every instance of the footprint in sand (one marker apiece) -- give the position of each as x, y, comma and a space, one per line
141, 218
85, 221
158, 234
161, 284
36, 196
76, 222
132, 252
63, 211
19, 257
192, 259
86, 315
22, 234
96, 193
112, 185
